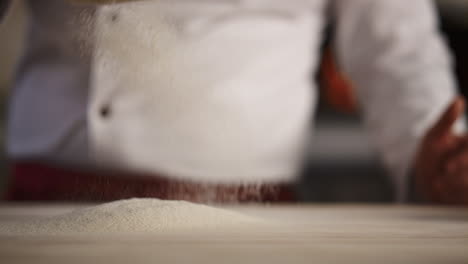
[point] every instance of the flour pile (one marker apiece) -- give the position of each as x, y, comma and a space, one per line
133, 216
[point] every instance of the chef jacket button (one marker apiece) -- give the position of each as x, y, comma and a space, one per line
114, 17
105, 111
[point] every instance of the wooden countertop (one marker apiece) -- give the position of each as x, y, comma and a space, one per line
310, 234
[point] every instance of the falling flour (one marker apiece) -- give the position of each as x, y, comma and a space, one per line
133, 216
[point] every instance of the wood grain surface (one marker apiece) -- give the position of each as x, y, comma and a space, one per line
301, 234
105, 2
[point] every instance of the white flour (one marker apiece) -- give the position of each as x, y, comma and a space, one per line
133, 216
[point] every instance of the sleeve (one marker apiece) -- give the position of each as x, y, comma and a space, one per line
401, 70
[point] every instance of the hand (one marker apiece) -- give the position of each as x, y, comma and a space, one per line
441, 165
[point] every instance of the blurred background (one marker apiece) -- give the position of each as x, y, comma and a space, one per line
342, 166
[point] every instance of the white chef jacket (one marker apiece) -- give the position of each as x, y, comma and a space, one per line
219, 90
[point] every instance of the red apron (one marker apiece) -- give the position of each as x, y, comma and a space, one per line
38, 182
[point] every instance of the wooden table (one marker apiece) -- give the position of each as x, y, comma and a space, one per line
311, 234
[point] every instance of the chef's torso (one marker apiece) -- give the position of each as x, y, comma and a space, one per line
215, 90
